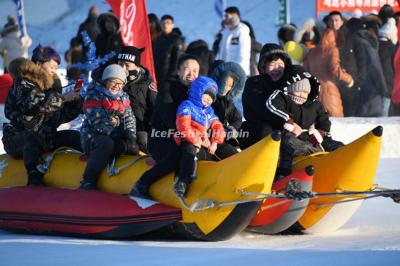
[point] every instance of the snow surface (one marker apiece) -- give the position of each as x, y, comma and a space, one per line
371, 237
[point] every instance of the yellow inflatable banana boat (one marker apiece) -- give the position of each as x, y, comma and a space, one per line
252, 170
349, 168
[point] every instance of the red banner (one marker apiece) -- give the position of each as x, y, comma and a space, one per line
132, 15
351, 5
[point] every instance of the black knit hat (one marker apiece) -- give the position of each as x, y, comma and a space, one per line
130, 54
270, 51
385, 12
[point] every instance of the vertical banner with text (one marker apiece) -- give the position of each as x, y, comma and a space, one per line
132, 15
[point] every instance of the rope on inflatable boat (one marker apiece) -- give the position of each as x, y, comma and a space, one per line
202, 205
49, 158
293, 192
301, 195
113, 170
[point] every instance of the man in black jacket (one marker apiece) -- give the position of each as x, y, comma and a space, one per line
110, 37
258, 89
141, 90
275, 67
163, 123
90, 26
166, 50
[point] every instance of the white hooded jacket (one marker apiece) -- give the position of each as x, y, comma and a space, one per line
15, 46
235, 46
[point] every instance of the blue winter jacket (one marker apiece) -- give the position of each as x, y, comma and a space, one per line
99, 107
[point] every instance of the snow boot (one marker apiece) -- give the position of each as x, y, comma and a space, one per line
140, 190
35, 178
88, 183
180, 188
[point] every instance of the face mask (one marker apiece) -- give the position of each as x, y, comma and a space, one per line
133, 73
297, 99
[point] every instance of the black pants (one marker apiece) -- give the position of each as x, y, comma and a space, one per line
292, 146
142, 140
166, 154
168, 158
100, 150
14, 143
190, 156
35, 145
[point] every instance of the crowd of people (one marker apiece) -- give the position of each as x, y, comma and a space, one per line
209, 104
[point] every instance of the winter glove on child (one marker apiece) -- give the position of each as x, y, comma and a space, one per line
127, 144
316, 136
292, 127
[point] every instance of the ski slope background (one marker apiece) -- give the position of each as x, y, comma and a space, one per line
55, 22
371, 237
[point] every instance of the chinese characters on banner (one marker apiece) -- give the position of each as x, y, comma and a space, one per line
351, 5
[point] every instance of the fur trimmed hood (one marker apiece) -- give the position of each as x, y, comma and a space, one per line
224, 70
26, 69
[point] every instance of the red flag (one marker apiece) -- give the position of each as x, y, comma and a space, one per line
132, 15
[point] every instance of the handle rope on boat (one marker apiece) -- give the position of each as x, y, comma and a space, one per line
49, 158
202, 205
113, 170
293, 193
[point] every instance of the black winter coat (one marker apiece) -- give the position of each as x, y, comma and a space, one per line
107, 42
227, 113
142, 95
169, 97
387, 51
352, 57
91, 27
311, 112
30, 109
374, 85
166, 50
259, 88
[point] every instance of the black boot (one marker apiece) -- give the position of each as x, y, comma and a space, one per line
140, 190
35, 178
88, 183
180, 188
